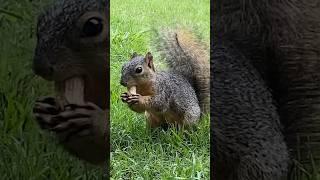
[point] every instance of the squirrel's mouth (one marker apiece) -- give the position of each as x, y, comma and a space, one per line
71, 91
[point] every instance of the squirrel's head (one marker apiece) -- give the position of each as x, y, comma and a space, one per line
139, 70
72, 37
72, 43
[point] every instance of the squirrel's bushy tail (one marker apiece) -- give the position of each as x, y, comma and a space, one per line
186, 55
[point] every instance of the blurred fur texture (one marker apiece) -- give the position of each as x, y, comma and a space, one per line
265, 70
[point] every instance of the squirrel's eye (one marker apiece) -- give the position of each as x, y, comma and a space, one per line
139, 70
92, 27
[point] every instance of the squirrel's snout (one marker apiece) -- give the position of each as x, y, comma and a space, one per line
42, 68
123, 82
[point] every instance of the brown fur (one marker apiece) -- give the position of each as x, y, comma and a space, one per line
188, 42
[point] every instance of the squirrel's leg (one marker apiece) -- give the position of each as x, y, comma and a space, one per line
153, 121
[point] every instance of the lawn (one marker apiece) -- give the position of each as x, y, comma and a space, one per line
136, 152
25, 151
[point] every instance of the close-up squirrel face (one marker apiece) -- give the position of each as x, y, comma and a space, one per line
71, 46
138, 70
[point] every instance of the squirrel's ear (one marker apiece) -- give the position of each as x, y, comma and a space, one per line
134, 55
149, 60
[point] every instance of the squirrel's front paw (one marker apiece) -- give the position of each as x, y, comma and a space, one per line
83, 131
124, 97
79, 121
45, 108
131, 99
135, 102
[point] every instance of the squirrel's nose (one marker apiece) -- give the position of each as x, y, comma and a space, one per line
42, 68
123, 83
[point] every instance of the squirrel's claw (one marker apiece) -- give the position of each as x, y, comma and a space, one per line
44, 110
132, 99
124, 97
47, 105
75, 121
44, 121
78, 127
125, 94
73, 124
48, 100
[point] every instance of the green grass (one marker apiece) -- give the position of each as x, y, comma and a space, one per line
28, 153
138, 153
25, 151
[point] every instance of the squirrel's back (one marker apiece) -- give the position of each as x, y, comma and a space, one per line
186, 55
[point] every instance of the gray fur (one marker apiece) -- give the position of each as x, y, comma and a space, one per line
61, 52
174, 92
279, 43
60, 17
247, 136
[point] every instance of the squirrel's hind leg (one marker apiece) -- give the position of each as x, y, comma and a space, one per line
153, 121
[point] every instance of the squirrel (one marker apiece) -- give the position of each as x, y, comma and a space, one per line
71, 50
178, 96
